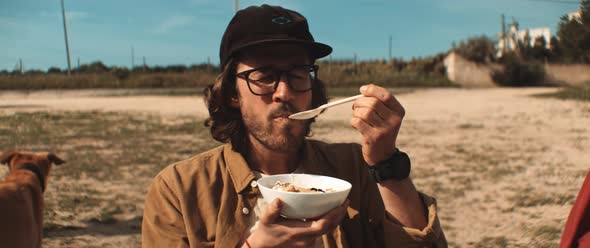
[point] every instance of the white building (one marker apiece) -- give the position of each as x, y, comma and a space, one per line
576, 15
514, 36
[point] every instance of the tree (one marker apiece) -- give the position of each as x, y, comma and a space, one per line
94, 67
539, 50
574, 36
54, 70
524, 46
518, 73
479, 49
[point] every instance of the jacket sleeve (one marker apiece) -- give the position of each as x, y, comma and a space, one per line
393, 233
162, 224
432, 235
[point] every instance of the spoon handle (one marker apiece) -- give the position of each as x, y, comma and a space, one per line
341, 101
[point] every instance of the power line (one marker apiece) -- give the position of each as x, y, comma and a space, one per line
557, 1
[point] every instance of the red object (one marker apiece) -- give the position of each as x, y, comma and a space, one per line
577, 227
247, 243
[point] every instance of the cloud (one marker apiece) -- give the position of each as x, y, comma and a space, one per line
173, 22
70, 15
76, 15
8, 22
200, 1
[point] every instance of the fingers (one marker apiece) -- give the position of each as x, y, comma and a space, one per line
275, 231
378, 117
304, 242
331, 220
379, 109
272, 212
384, 96
326, 223
372, 111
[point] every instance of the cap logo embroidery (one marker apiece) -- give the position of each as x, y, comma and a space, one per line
281, 20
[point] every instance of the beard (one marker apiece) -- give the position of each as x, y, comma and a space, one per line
280, 135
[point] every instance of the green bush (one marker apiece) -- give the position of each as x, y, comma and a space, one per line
480, 49
518, 73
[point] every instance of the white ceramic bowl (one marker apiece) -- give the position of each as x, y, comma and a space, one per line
298, 205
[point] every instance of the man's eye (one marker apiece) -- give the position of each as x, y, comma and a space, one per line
262, 78
257, 75
301, 72
298, 75
267, 80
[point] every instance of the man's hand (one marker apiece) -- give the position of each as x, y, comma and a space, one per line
275, 231
378, 117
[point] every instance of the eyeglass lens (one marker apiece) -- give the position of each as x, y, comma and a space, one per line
265, 80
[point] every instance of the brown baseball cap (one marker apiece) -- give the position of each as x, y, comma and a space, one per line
264, 25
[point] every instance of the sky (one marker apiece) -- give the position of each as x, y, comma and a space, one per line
187, 32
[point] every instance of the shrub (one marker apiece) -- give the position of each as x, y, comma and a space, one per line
480, 49
54, 70
518, 73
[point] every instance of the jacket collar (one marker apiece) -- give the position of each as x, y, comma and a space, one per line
242, 175
239, 171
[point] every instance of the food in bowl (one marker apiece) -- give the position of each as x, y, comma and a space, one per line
288, 187
305, 205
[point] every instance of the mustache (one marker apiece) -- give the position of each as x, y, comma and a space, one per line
284, 110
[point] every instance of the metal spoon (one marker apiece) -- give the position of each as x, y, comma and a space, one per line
308, 114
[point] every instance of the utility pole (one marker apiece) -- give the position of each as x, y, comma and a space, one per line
132, 58
20, 66
354, 64
390, 41
78, 62
236, 6
144, 64
503, 36
514, 37
63, 13
208, 63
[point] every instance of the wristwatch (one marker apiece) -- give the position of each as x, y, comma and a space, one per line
397, 167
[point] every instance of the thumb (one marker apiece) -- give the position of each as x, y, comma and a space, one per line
272, 212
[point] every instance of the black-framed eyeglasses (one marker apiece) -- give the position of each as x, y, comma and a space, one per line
265, 80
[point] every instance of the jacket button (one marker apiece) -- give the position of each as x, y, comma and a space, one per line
254, 184
245, 210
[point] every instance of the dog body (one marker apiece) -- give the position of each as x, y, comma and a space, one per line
21, 198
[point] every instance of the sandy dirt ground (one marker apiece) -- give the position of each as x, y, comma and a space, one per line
505, 167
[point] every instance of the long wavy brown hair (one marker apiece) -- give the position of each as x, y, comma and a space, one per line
225, 122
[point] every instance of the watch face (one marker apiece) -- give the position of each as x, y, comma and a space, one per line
402, 166
397, 167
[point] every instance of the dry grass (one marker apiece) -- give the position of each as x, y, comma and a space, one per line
504, 167
427, 72
581, 93
530, 197
111, 158
105, 80
492, 242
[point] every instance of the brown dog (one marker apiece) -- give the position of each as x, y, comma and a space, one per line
21, 197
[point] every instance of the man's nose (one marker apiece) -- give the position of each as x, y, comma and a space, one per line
283, 92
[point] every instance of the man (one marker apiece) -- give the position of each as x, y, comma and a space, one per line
212, 199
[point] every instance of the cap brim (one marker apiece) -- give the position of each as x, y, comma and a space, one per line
316, 50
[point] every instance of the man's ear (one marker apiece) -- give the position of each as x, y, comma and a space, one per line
55, 159
7, 156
